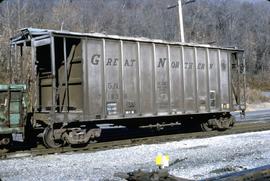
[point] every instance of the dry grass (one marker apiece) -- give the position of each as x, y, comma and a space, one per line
255, 96
256, 84
260, 81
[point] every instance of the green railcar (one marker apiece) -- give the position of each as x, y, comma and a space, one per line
13, 111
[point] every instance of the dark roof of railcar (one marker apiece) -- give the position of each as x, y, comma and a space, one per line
27, 34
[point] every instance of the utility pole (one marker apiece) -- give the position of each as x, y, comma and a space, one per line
180, 16
181, 25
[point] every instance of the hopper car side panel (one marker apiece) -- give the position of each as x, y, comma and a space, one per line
137, 79
111, 79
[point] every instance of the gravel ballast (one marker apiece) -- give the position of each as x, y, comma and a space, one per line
193, 159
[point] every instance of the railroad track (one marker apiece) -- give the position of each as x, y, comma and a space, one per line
261, 173
240, 127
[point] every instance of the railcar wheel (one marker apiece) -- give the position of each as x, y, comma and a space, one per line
206, 126
48, 139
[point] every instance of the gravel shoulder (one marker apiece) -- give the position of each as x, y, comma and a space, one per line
198, 159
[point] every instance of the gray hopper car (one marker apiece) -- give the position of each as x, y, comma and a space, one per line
80, 80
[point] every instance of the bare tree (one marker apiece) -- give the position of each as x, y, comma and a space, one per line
221, 22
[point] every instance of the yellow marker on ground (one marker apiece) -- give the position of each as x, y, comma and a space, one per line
162, 161
159, 159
